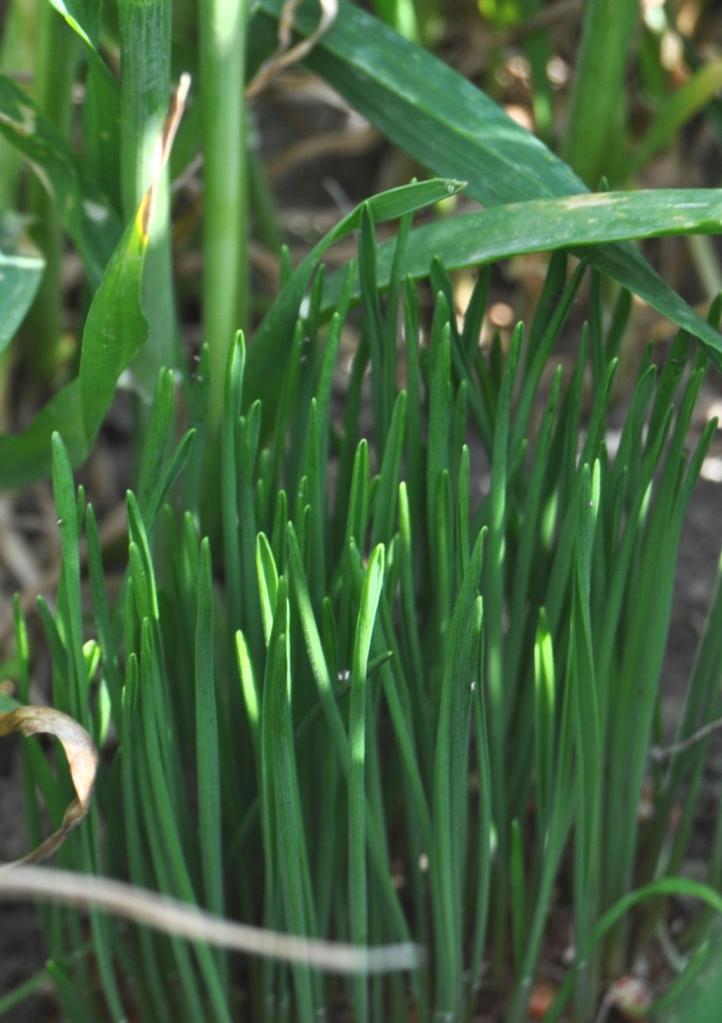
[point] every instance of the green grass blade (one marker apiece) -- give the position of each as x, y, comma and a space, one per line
102, 614
208, 770
358, 885
168, 475
385, 498
372, 326
438, 459
359, 501
414, 433
161, 818
529, 541
138, 865
396, 692
266, 358
518, 894
292, 855
589, 743
156, 437
484, 852
249, 687
597, 113
70, 601
267, 583
334, 720
234, 377
533, 372
446, 881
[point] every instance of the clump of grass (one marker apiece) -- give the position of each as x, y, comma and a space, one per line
387, 702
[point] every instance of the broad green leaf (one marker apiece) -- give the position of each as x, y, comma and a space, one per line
116, 328
20, 277
267, 354
545, 224
114, 331
87, 215
25, 457
451, 127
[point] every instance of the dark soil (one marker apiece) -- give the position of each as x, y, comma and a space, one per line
21, 939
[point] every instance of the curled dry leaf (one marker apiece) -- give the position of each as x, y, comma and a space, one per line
286, 54
82, 759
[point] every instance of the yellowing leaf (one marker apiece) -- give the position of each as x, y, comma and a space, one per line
115, 330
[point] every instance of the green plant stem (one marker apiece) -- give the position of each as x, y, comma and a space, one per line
144, 97
17, 55
598, 97
225, 269
54, 74
704, 256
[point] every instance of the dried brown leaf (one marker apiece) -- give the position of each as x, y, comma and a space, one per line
82, 757
286, 54
187, 921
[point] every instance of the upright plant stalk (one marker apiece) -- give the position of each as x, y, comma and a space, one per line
223, 68
18, 49
145, 36
54, 74
598, 92
589, 742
